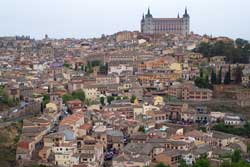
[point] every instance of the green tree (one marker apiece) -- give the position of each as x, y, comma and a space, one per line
161, 165
102, 101
104, 68
5, 99
132, 99
45, 99
199, 82
219, 76
89, 68
141, 129
88, 102
202, 162
236, 156
248, 148
225, 164
213, 77
67, 97
202, 82
118, 98
240, 43
238, 54
247, 128
201, 73
206, 81
66, 65
183, 164
110, 99
95, 63
204, 48
238, 74
79, 94
227, 79
39, 166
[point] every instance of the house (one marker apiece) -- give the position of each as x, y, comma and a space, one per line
145, 149
51, 107
24, 150
91, 152
12, 90
158, 100
122, 107
84, 129
91, 91
232, 120
138, 137
120, 68
221, 139
127, 160
74, 121
107, 79
246, 76
44, 153
214, 116
64, 154
199, 136
201, 114
169, 157
175, 110
157, 116
100, 134
115, 139
187, 91
31, 139
74, 105
202, 150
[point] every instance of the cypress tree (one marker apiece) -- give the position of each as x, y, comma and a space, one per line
227, 78
213, 77
201, 73
219, 76
238, 74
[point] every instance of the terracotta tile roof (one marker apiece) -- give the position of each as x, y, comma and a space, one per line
23, 144
72, 119
86, 126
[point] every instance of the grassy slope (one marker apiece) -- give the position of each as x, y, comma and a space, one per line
9, 137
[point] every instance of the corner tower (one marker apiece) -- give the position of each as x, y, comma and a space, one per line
186, 23
147, 23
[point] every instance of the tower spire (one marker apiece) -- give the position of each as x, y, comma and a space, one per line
178, 16
186, 13
148, 10
148, 15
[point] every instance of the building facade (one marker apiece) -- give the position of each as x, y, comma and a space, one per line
150, 25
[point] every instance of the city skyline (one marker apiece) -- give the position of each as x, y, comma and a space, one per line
85, 19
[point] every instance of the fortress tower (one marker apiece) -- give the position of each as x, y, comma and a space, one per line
179, 25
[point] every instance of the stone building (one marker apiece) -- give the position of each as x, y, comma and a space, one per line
150, 25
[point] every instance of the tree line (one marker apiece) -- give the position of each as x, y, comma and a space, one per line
213, 78
237, 51
233, 160
243, 131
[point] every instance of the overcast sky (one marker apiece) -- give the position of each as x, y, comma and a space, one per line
91, 18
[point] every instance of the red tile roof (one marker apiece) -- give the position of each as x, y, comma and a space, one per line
23, 144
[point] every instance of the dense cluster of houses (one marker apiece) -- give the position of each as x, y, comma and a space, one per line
140, 105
